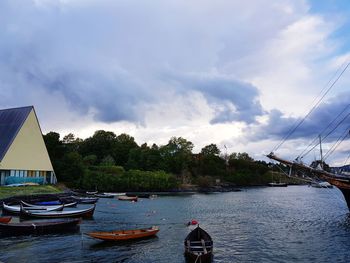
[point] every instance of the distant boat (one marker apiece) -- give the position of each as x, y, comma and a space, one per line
5, 219
127, 198
199, 246
104, 195
85, 200
123, 235
88, 212
115, 194
275, 184
40, 227
317, 184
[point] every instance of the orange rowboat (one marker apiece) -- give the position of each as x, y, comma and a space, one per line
5, 219
123, 235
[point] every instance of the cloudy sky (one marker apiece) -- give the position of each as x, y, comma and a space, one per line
236, 73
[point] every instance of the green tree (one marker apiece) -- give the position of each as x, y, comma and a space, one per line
177, 154
101, 144
124, 143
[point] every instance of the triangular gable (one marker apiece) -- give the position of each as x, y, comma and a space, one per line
11, 121
27, 150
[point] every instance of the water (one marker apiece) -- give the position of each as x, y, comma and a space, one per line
292, 224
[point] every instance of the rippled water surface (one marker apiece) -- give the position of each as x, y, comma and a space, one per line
292, 224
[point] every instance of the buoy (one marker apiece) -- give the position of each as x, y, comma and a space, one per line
194, 222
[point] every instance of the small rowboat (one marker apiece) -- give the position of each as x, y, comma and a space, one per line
104, 195
86, 213
91, 193
115, 194
199, 246
85, 200
123, 235
127, 198
5, 219
41, 227
16, 209
25, 204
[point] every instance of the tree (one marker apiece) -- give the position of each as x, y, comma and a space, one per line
177, 154
210, 149
101, 144
124, 143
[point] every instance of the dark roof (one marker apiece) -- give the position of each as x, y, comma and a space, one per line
11, 121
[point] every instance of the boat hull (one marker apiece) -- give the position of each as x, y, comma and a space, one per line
124, 235
84, 213
198, 246
28, 228
5, 219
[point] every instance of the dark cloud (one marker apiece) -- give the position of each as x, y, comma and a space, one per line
233, 100
330, 115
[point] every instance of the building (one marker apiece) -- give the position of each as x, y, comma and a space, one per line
23, 154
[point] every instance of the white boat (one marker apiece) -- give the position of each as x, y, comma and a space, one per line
321, 184
115, 194
16, 209
88, 212
25, 204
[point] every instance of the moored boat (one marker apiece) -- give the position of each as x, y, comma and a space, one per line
16, 209
199, 246
104, 195
41, 227
128, 198
122, 235
115, 194
25, 204
91, 192
5, 219
85, 213
85, 200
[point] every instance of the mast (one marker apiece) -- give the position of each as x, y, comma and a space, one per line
321, 164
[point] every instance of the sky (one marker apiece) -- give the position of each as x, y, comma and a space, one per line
235, 73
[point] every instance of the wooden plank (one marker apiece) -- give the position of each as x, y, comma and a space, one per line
204, 247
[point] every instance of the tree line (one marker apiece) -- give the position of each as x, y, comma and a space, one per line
116, 162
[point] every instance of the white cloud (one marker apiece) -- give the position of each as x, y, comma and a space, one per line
90, 65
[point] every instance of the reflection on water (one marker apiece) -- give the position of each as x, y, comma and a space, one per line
293, 224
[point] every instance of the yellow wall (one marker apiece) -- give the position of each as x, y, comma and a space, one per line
28, 150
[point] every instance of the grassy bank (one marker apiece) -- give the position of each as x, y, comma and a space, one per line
6, 192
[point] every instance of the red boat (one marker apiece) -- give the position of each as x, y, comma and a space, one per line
5, 219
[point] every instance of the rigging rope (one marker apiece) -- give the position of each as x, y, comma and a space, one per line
329, 133
339, 141
301, 155
312, 109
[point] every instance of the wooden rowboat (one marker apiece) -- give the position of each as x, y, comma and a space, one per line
86, 213
5, 219
104, 195
199, 246
127, 198
122, 235
16, 209
25, 204
41, 227
85, 200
